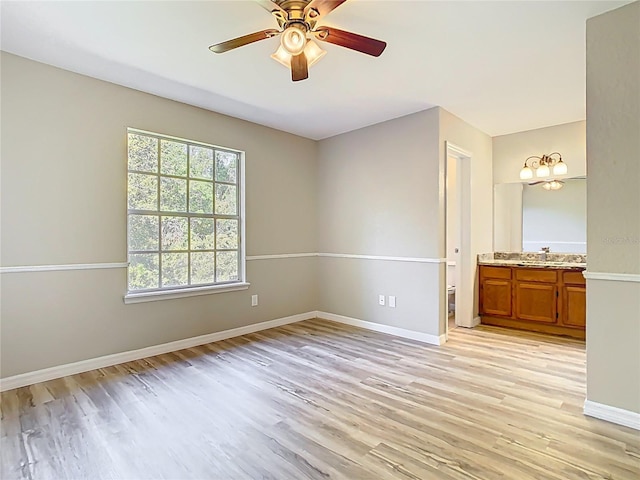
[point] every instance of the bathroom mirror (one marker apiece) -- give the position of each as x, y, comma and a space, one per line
528, 217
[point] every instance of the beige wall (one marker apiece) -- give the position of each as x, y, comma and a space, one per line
613, 207
510, 151
376, 186
382, 192
613, 123
64, 201
378, 194
613, 343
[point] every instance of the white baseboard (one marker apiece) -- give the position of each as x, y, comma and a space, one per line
378, 327
29, 378
612, 414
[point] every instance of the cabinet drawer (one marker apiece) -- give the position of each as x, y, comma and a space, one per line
495, 272
574, 278
532, 275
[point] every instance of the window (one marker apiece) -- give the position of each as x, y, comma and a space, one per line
184, 216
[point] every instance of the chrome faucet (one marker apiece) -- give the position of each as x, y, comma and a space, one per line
543, 253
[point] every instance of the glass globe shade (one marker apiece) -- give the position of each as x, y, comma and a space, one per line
560, 168
526, 173
543, 171
293, 40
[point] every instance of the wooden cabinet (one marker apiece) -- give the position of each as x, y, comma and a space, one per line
575, 306
543, 300
497, 297
495, 291
574, 300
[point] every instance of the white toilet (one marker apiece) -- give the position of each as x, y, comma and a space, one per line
451, 295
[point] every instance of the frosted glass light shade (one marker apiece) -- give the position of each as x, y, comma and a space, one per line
526, 173
293, 40
281, 56
560, 168
312, 51
543, 171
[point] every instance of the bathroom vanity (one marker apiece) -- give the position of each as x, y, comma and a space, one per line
532, 292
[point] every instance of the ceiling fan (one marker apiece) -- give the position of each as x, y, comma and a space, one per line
554, 184
549, 184
297, 21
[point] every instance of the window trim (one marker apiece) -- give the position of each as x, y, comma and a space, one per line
154, 295
138, 296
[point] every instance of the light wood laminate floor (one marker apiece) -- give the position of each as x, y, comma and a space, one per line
322, 400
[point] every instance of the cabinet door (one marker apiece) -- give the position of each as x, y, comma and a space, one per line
536, 302
496, 297
574, 306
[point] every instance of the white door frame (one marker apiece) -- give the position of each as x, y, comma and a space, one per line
465, 260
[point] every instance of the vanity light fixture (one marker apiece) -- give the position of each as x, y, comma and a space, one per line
542, 167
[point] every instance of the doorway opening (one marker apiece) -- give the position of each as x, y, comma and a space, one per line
459, 276
452, 238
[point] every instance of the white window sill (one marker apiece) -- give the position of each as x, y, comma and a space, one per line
183, 292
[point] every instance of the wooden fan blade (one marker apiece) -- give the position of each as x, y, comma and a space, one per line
269, 5
319, 8
245, 40
299, 68
360, 43
274, 9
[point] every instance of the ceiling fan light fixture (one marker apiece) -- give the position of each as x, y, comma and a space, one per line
552, 185
297, 20
312, 51
294, 39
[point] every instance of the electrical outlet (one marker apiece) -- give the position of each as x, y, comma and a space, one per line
254, 300
392, 301
381, 300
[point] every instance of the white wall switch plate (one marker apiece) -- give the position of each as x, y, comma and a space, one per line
254, 300
392, 301
381, 300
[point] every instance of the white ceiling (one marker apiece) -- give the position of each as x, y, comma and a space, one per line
503, 66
